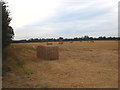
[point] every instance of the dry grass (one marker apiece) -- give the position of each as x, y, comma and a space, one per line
80, 65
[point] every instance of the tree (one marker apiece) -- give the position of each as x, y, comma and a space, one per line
60, 38
7, 30
76, 39
7, 34
86, 37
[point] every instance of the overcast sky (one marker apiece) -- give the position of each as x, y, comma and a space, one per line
66, 18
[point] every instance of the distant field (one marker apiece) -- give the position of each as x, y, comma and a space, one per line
80, 65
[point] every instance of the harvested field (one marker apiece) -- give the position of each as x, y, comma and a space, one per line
80, 65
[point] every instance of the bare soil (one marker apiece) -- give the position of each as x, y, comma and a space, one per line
80, 65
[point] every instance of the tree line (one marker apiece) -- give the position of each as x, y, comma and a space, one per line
84, 38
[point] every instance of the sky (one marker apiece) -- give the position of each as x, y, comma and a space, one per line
63, 18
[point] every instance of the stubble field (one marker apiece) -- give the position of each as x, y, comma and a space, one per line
80, 65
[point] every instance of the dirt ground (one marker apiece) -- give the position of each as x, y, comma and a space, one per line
80, 65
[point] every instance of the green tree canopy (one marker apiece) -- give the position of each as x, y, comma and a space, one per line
7, 30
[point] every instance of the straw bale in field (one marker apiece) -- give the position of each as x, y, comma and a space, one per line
60, 43
92, 41
48, 43
71, 41
48, 52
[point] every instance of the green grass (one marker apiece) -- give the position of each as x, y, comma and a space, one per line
26, 71
18, 64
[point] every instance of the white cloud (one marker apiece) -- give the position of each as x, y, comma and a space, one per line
44, 18
27, 11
